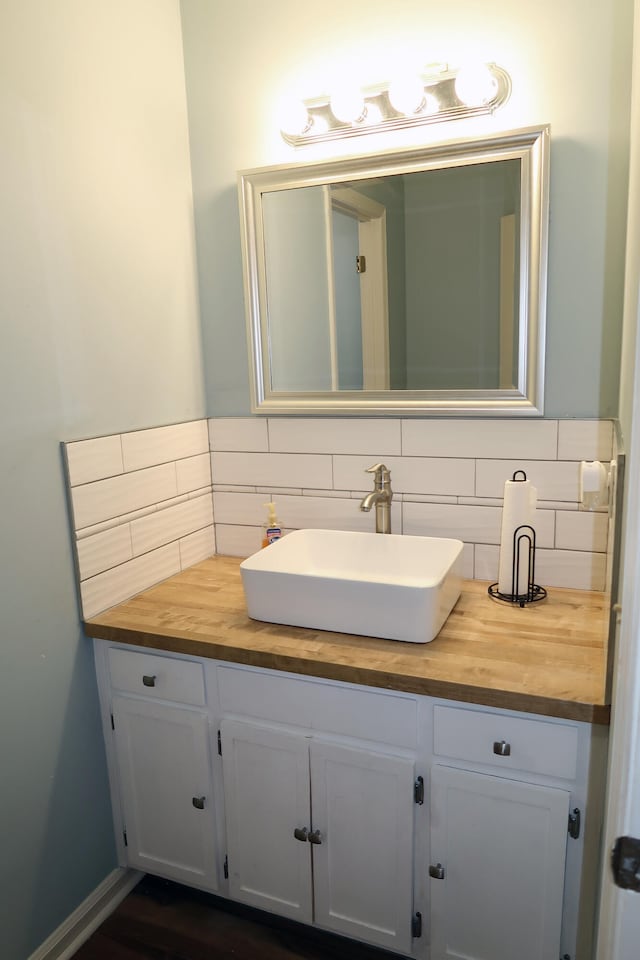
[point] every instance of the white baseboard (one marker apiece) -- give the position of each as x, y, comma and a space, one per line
78, 927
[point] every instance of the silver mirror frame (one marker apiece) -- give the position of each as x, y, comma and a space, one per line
531, 146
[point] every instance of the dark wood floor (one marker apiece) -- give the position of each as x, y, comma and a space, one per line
160, 920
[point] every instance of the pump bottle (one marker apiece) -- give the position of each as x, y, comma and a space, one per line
271, 530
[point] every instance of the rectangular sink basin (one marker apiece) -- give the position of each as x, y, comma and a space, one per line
376, 585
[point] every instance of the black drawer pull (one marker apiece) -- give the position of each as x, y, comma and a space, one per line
149, 681
198, 803
501, 748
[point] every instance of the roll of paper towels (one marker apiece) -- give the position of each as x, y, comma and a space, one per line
520, 497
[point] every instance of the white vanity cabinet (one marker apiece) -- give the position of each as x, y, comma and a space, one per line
157, 728
320, 832
501, 825
436, 829
320, 799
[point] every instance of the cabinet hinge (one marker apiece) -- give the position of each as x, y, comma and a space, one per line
219, 743
416, 925
124, 836
113, 725
225, 868
574, 823
418, 790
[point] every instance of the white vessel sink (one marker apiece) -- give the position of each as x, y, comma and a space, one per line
377, 585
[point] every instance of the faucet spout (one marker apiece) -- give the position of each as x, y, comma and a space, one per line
381, 496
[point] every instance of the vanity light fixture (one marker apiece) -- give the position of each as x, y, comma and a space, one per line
439, 93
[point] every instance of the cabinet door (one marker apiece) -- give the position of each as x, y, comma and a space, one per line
501, 845
164, 766
266, 790
363, 806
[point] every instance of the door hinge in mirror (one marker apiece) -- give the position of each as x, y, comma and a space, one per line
574, 823
418, 790
361, 264
225, 868
124, 837
219, 743
416, 925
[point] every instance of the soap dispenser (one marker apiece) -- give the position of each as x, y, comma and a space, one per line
271, 530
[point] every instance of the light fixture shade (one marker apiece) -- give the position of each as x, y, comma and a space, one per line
475, 84
406, 94
294, 117
347, 105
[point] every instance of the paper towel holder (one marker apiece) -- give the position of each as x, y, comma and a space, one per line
524, 538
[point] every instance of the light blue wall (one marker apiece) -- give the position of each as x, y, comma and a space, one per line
569, 65
100, 333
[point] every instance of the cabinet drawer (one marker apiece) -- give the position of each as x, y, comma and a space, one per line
157, 677
329, 707
509, 743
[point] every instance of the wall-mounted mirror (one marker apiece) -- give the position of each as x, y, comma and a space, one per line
406, 282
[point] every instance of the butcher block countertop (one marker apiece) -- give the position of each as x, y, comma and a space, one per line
547, 658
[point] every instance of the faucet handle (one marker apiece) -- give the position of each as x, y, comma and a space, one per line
381, 471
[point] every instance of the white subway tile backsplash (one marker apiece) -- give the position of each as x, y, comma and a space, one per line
332, 514
233, 488
429, 498
554, 480
146, 448
581, 530
471, 524
375, 438
196, 547
554, 568
570, 568
240, 508
272, 469
468, 553
143, 507
420, 475
103, 551
268, 492
533, 439
243, 434
297, 512
486, 561
163, 526
585, 440
468, 523
89, 460
118, 584
200, 492
95, 502
232, 541
194, 473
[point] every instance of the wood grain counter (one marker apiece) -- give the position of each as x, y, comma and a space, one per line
547, 658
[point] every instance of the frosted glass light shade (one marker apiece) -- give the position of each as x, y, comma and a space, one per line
347, 105
294, 117
475, 85
406, 94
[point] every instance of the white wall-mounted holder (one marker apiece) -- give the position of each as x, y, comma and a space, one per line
594, 485
439, 93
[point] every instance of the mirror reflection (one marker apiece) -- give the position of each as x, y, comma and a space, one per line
396, 283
